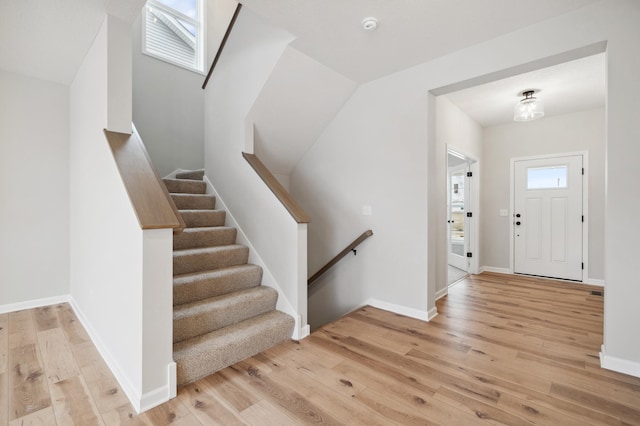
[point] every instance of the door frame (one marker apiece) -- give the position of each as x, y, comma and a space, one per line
585, 206
474, 194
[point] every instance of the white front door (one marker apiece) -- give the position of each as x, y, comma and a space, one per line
548, 217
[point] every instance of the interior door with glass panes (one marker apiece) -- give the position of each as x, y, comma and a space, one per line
548, 217
458, 199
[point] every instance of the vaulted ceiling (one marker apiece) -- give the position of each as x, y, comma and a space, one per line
410, 32
49, 39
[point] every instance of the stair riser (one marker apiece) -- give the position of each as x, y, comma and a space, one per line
185, 264
185, 186
222, 315
241, 320
205, 359
193, 202
197, 175
216, 285
208, 238
199, 219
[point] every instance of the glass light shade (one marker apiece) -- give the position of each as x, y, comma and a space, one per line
528, 109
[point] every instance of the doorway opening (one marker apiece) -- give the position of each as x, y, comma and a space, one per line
460, 215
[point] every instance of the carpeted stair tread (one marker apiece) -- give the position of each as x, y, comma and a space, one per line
187, 186
221, 313
203, 218
204, 237
201, 317
192, 175
207, 258
191, 287
205, 354
194, 201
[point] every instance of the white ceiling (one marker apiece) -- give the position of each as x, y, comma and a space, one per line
48, 39
568, 87
410, 32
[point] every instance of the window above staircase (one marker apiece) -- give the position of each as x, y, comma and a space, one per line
173, 31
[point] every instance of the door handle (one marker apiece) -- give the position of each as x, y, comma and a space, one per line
518, 215
518, 223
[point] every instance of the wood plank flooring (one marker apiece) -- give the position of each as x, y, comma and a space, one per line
503, 350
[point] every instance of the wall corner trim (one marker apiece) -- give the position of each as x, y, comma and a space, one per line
620, 365
300, 332
158, 396
442, 293
433, 312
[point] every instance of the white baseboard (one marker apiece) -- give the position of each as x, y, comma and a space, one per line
36, 303
140, 402
402, 310
172, 379
123, 380
433, 312
594, 281
496, 270
300, 330
620, 365
155, 397
300, 333
442, 293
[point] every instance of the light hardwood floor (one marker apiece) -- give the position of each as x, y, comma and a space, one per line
503, 350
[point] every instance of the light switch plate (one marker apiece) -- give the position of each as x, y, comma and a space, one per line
366, 210
504, 212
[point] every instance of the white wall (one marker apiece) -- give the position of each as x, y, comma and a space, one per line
34, 169
168, 110
219, 14
385, 134
297, 102
454, 130
344, 171
168, 101
120, 275
373, 154
621, 349
581, 131
249, 58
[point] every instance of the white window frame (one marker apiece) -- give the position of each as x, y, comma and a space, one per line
199, 24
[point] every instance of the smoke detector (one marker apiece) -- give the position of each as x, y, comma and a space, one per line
370, 23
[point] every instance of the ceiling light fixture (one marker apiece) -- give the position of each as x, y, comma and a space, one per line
529, 108
370, 23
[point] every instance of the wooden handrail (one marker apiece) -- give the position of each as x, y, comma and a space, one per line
366, 234
149, 196
222, 43
278, 190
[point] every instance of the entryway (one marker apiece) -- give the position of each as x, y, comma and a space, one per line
479, 120
548, 216
459, 215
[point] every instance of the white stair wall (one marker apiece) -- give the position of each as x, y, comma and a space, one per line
249, 58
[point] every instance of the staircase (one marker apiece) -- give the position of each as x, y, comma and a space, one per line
221, 313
